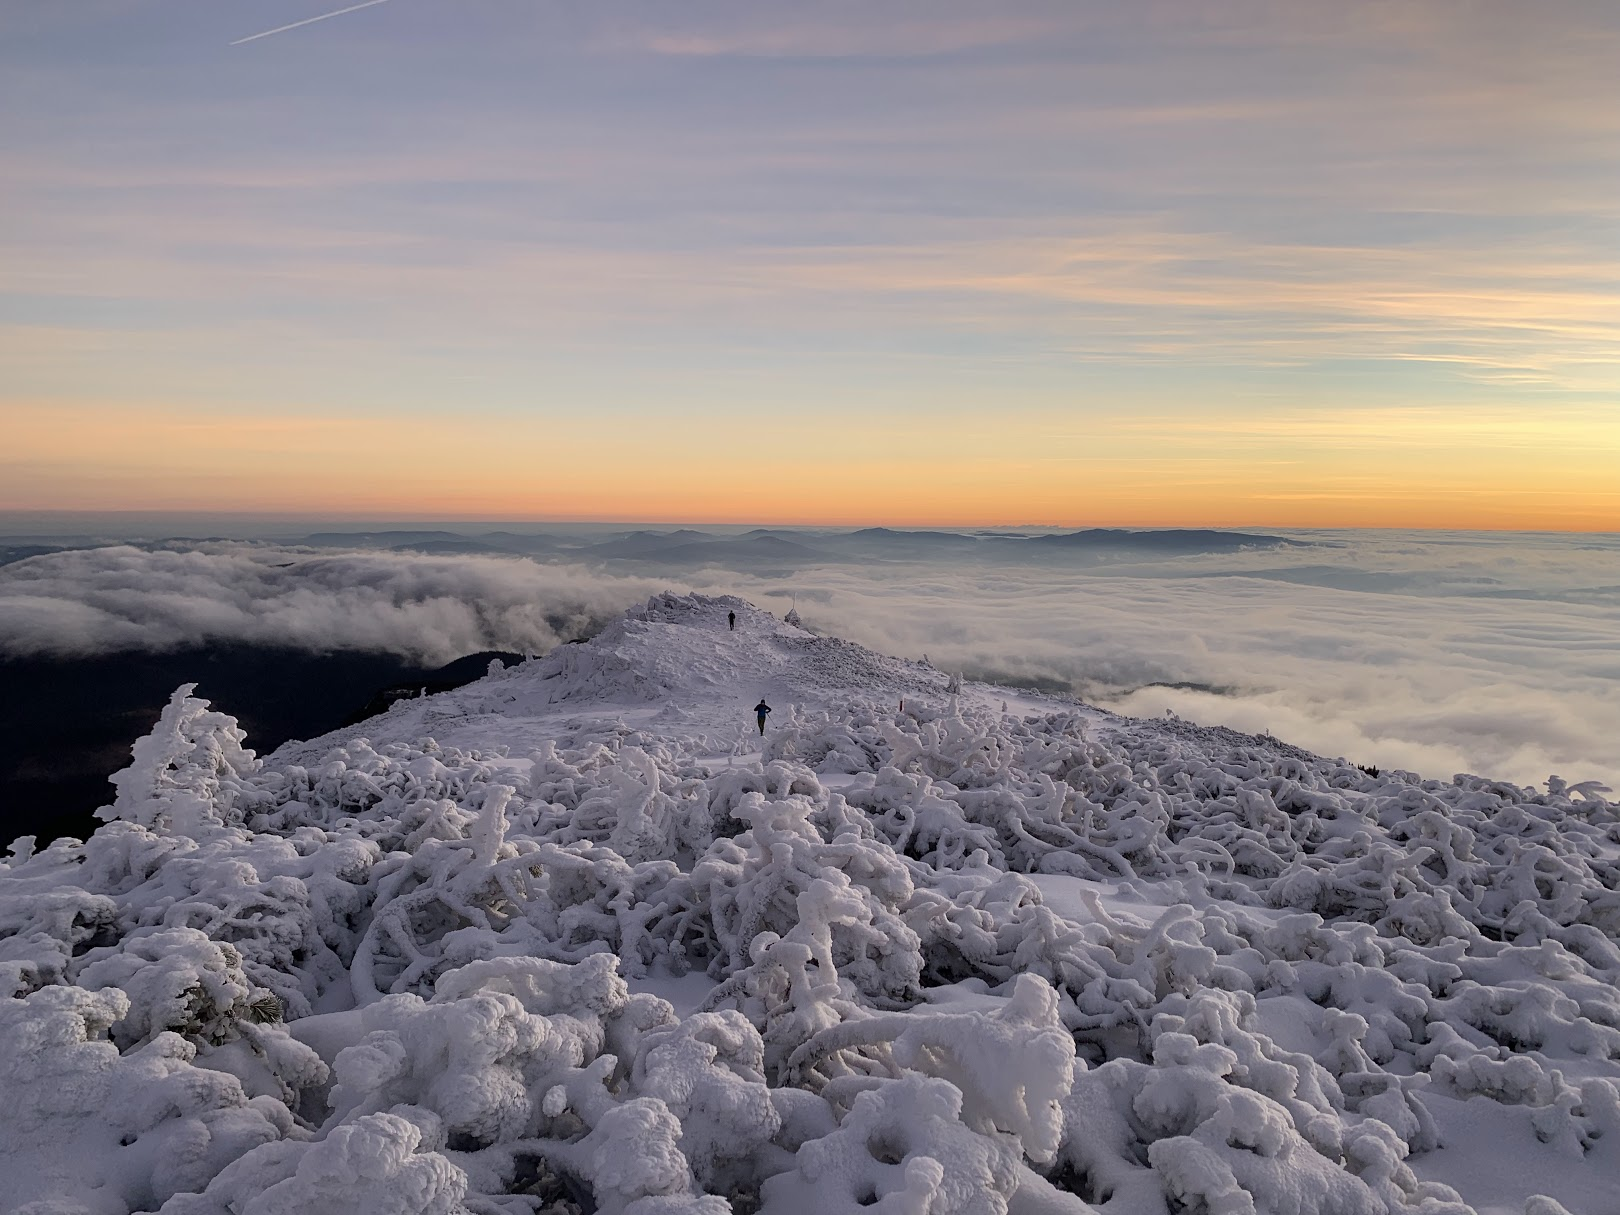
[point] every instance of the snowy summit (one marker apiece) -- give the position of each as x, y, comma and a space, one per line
577, 938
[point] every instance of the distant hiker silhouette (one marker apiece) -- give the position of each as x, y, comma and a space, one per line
759, 711
731, 621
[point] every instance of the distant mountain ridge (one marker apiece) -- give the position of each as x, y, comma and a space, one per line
761, 550
1178, 540
793, 548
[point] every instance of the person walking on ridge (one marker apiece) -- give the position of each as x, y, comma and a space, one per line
731, 621
759, 711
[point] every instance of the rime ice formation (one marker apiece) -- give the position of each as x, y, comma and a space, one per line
574, 939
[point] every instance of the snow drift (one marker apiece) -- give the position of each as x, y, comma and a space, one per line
570, 939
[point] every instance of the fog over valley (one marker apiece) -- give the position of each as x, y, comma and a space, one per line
1432, 652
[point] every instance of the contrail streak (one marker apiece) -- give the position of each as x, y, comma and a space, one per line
282, 29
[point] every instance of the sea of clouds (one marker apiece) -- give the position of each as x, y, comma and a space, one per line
1436, 652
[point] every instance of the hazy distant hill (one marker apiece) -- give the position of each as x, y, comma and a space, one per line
773, 550
383, 539
1166, 541
449, 548
747, 551
886, 535
641, 545
21, 552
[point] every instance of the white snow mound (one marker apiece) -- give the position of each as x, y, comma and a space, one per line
578, 938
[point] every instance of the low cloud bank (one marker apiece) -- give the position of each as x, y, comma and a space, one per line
1494, 655
95, 601
1514, 673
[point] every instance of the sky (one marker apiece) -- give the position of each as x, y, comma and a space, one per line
1229, 263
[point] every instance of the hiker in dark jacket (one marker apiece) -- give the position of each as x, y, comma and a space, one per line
731, 621
759, 711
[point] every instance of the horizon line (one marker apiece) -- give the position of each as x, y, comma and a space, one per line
9, 516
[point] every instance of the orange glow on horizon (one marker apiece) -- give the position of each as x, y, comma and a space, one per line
1168, 473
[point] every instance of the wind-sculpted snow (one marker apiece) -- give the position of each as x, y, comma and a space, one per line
954, 957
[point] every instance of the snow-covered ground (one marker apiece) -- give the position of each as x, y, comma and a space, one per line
575, 938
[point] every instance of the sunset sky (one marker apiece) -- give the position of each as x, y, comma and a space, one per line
1288, 262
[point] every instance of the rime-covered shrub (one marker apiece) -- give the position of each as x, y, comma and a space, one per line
957, 959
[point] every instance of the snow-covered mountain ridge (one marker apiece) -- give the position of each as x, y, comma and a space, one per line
575, 938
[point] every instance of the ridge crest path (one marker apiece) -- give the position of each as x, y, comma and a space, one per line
672, 669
